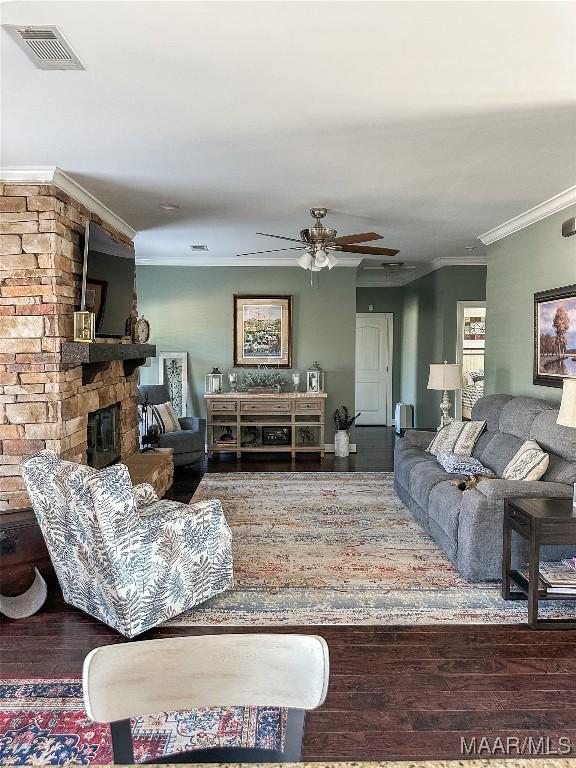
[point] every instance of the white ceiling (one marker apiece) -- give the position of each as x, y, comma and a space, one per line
429, 122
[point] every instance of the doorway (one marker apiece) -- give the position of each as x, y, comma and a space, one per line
470, 348
374, 335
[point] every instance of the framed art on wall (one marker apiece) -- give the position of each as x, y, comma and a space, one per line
555, 336
263, 331
173, 372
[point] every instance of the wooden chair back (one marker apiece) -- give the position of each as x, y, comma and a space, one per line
141, 678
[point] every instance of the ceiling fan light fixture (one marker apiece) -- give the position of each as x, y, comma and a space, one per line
321, 257
305, 261
332, 260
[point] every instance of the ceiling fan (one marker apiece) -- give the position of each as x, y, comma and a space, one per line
319, 243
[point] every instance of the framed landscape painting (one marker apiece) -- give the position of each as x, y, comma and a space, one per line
263, 331
555, 336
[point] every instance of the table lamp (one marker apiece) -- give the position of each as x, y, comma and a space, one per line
445, 376
567, 412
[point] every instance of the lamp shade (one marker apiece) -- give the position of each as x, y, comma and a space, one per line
567, 413
445, 376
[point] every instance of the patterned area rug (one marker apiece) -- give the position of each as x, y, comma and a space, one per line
338, 548
42, 722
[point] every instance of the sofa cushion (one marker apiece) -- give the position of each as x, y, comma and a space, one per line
560, 471
444, 506
457, 437
518, 415
560, 443
499, 452
482, 444
424, 477
406, 459
489, 409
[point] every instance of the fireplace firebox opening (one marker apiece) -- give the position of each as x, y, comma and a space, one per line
104, 436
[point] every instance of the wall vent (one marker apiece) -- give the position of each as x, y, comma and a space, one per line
199, 247
45, 46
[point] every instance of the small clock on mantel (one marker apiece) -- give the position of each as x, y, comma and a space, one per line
141, 330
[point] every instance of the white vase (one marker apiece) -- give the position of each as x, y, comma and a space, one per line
341, 444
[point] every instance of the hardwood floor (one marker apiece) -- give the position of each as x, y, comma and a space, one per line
395, 692
375, 453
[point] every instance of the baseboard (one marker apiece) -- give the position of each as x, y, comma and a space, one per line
329, 447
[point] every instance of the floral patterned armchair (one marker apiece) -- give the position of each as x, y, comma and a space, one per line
121, 554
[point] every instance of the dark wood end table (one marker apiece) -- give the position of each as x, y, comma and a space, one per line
539, 521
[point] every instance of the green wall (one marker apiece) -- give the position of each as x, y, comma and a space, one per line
536, 258
429, 331
425, 327
386, 300
190, 309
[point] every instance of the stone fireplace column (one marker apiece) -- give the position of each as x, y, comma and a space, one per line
44, 404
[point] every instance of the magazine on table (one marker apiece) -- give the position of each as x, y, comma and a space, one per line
553, 579
557, 575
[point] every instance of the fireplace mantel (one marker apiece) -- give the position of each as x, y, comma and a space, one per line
94, 357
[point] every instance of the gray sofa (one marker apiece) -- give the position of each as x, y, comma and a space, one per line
189, 443
468, 524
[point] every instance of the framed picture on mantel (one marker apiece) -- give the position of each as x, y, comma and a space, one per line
263, 331
555, 336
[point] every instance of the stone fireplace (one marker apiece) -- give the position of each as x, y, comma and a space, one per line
46, 399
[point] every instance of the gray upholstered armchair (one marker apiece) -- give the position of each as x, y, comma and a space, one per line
189, 443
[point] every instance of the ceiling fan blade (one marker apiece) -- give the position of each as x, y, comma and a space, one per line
369, 250
274, 250
362, 237
280, 237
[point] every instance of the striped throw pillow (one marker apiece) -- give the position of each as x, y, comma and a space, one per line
529, 463
457, 437
165, 417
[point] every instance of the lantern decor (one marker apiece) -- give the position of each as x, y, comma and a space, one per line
213, 382
315, 378
84, 326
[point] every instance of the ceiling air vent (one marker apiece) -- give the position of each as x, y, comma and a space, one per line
199, 247
46, 46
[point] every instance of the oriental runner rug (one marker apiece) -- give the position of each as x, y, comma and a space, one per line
43, 722
338, 548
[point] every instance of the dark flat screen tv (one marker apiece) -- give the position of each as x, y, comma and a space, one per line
107, 282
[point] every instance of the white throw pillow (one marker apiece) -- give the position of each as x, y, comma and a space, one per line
457, 437
165, 417
530, 462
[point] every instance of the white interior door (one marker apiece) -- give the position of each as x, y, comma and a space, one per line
374, 367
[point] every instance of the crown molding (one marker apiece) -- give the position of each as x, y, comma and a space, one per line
51, 174
233, 261
379, 280
531, 216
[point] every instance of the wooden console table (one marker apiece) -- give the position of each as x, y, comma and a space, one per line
243, 422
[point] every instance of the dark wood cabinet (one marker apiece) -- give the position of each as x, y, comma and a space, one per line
22, 548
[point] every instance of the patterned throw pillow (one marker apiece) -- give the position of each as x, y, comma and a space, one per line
165, 417
457, 437
462, 465
529, 463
